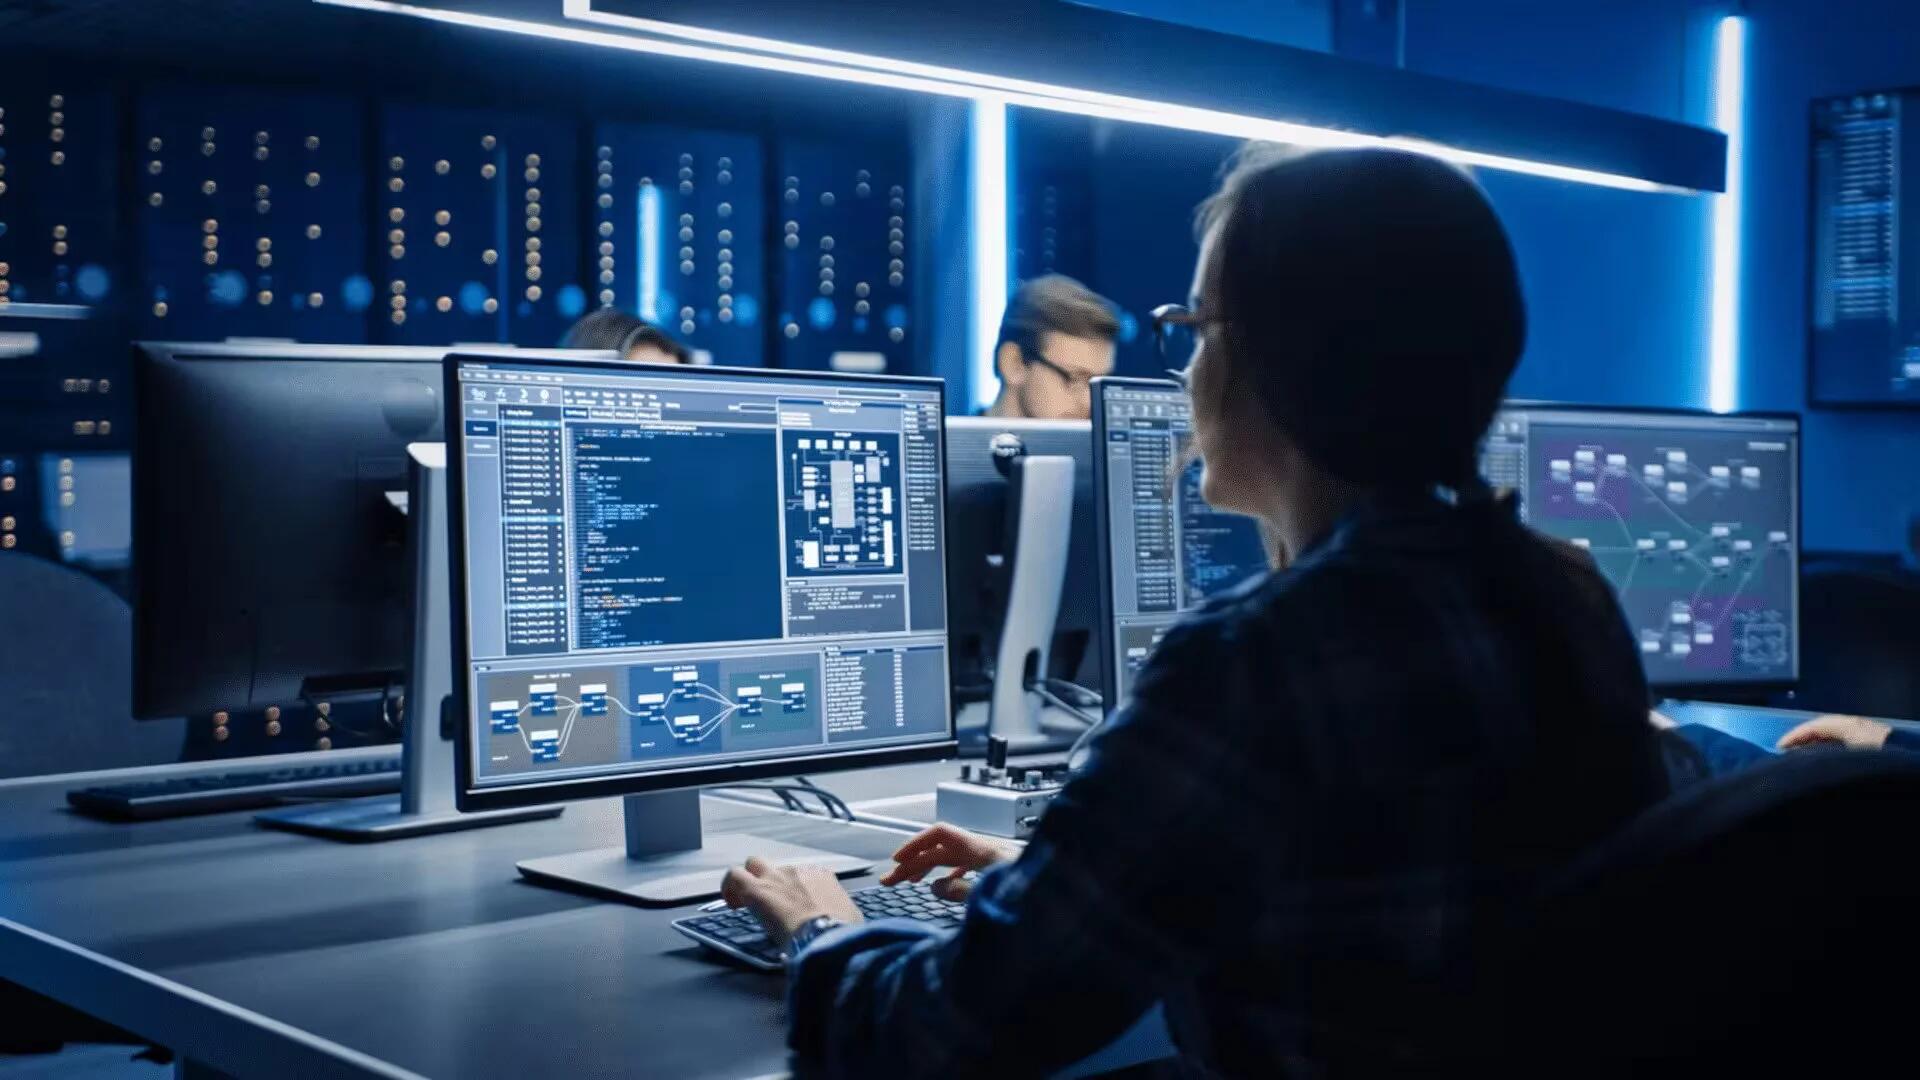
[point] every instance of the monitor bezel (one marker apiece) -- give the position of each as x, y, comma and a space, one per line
468, 796
1733, 689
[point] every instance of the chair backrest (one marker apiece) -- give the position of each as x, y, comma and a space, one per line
66, 676
1747, 922
1860, 640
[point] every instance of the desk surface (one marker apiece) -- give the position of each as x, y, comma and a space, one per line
266, 953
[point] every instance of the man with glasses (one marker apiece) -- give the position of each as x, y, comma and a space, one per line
1056, 338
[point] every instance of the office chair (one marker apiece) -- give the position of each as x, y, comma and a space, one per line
1750, 924
66, 676
1860, 639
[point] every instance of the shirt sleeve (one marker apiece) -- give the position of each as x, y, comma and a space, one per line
1904, 739
1113, 902
1695, 752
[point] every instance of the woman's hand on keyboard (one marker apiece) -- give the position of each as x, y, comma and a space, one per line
786, 896
1853, 732
950, 848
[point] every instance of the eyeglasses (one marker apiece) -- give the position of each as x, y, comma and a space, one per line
1073, 379
1176, 331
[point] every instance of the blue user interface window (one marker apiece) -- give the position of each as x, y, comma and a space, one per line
1693, 518
677, 569
1170, 551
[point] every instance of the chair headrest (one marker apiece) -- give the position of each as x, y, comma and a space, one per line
1709, 813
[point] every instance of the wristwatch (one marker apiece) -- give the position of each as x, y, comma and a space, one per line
805, 934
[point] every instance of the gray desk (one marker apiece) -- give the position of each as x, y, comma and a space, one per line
265, 953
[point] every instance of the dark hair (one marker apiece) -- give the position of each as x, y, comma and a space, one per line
1371, 300
611, 330
1057, 304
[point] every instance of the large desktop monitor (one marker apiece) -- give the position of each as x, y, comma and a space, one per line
268, 531
1694, 518
670, 577
286, 527
1163, 550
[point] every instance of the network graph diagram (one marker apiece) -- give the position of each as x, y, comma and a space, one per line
843, 503
707, 707
543, 717
1696, 534
656, 711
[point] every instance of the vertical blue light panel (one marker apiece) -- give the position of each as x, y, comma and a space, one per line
252, 215
845, 270
478, 225
679, 235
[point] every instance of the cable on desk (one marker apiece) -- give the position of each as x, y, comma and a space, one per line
811, 786
1060, 703
827, 798
1073, 691
1076, 754
836, 807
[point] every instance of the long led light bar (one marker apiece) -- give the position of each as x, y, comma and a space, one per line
1097, 103
1729, 115
987, 249
695, 43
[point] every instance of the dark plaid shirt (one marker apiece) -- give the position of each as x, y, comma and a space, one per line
1325, 784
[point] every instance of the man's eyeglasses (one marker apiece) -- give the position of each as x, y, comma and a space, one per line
1073, 379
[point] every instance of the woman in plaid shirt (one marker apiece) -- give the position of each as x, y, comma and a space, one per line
1329, 780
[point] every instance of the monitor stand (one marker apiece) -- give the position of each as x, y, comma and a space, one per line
1042, 497
666, 861
425, 803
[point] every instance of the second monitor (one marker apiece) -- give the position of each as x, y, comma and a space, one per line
1693, 517
1163, 550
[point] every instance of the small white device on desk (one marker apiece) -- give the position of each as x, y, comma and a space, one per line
998, 800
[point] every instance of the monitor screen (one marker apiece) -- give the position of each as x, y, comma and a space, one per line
1164, 549
1694, 518
271, 555
671, 574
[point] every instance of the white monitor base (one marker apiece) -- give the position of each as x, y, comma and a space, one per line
677, 878
667, 861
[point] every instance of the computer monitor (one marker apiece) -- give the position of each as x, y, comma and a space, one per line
1163, 550
269, 537
670, 577
1694, 518
982, 538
